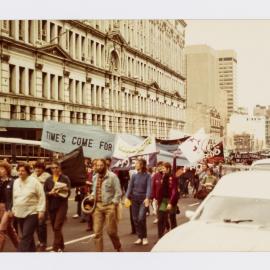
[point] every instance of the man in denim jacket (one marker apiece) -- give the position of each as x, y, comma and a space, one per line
107, 194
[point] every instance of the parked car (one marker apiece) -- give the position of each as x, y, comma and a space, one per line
233, 217
262, 164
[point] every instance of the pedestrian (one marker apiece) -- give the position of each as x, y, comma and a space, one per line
42, 176
57, 203
107, 194
6, 219
28, 206
167, 196
139, 192
108, 162
209, 179
156, 181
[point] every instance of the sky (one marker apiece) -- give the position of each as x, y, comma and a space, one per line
251, 41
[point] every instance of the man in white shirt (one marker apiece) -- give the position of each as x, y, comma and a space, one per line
28, 206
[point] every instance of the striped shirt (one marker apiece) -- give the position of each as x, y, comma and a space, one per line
99, 190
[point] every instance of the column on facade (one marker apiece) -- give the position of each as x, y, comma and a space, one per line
99, 55
25, 33
16, 29
88, 92
56, 90
55, 116
48, 31
116, 93
27, 113
48, 114
66, 89
79, 48
80, 92
112, 92
38, 83
4, 77
94, 55
16, 82
137, 127
73, 91
72, 46
66, 116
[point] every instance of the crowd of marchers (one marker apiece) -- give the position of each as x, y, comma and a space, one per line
37, 193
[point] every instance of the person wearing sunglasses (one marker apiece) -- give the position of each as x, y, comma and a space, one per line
57, 190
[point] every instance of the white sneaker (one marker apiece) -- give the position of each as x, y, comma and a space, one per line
75, 216
145, 241
155, 221
138, 242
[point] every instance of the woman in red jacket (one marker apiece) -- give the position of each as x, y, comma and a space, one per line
167, 196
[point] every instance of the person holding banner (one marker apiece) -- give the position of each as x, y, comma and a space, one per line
57, 189
139, 192
107, 196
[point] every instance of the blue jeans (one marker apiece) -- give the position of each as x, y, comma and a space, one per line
139, 218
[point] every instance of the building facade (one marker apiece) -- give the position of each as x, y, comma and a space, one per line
227, 69
242, 125
205, 100
122, 75
264, 111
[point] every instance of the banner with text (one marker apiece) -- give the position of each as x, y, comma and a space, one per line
129, 148
63, 138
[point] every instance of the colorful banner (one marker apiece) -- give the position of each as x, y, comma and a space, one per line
194, 147
63, 138
215, 154
124, 148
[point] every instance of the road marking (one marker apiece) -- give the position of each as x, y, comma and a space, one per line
194, 204
75, 240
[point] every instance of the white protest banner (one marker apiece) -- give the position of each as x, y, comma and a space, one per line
193, 148
64, 138
127, 148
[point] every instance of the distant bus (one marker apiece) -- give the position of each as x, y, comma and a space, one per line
22, 150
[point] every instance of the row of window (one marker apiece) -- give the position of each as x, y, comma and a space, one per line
79, 46
116, 124
22, 81
148, 73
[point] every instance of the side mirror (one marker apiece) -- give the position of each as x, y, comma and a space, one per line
189, 214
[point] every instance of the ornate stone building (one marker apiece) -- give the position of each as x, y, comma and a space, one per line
123, 75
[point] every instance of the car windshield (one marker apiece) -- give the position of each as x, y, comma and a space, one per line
236, 210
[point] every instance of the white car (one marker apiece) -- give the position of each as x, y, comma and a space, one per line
235, 216
262, 164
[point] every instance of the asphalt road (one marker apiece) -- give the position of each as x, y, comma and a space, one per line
77, 239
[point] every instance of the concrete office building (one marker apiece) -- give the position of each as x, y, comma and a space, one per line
227, 69
205, 100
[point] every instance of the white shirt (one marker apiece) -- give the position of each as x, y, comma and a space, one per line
28, 197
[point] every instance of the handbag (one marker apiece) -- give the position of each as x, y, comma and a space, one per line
163, 205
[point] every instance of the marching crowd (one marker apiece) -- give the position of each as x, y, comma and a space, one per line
38, 193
